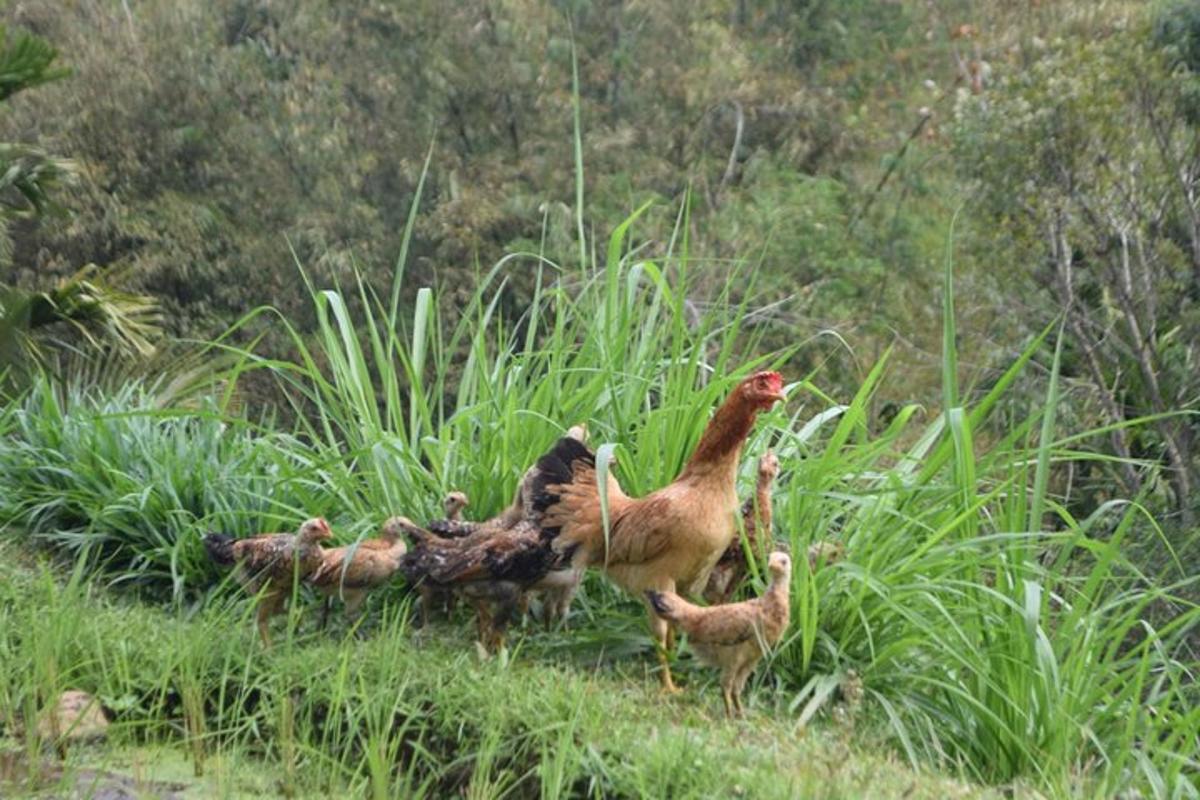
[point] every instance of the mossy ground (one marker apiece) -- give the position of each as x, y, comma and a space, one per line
398, 713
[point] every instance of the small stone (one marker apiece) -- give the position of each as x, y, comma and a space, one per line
76, 717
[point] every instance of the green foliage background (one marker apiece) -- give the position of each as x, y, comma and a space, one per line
969, 231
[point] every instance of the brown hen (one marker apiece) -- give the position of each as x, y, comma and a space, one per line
492, 573
556, 589
669, 538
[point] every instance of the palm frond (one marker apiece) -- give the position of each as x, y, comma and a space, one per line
27, 176
104, 315
26, 61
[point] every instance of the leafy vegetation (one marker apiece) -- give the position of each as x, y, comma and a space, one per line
969, 245
985, 638
1088, 163
86, 301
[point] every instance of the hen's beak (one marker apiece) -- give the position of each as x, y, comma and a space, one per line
771, 399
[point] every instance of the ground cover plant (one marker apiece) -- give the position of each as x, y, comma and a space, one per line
321, 715
991, 632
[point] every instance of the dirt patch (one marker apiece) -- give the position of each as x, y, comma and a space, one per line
49, 779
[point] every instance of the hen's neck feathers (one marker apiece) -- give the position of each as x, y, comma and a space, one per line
722, 441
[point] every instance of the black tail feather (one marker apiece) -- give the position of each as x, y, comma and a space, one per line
220, 548
557, 466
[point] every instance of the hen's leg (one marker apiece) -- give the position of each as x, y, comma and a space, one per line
559, 601
562, 607
568, 597
549, 609
736, 576
507, 605
483, 622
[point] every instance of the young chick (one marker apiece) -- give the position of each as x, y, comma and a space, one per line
270, 562
730, 570
557, 591
350, 572
454, 503
454, 526
733, 637
824, 553
492, 573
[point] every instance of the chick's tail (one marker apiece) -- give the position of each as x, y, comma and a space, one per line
417, 535
674, 608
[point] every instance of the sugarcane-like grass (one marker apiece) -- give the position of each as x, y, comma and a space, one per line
995, 635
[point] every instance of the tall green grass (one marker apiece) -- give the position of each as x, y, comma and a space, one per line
135, 486
996, 634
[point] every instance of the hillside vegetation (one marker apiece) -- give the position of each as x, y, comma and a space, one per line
828, 143
264, 263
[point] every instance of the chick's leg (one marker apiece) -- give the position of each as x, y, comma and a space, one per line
268, 606
352, 604
326, 605
727, 694
739, 684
